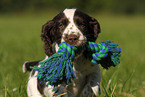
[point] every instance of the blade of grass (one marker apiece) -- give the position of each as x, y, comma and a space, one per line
6, 90
105, 91
123, 87
113, 90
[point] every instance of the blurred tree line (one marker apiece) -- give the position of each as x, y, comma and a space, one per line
114, 6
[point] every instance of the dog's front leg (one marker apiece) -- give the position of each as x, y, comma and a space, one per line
32, 87
95, 82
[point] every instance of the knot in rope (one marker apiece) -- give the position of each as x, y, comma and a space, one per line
99, 51
67, 50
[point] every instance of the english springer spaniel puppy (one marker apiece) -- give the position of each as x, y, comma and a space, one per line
75, 28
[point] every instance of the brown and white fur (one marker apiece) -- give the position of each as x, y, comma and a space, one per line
75, 28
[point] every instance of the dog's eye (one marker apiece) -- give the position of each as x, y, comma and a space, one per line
82, 25
61, 25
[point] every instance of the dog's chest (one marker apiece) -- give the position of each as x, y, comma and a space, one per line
82, 66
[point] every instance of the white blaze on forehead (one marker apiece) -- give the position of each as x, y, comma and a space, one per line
69, 13
71, 27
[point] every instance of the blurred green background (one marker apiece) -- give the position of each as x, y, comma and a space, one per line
114, 6
122, 21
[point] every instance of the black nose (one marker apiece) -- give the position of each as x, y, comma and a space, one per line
72, 39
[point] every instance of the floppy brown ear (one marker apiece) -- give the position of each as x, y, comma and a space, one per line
96, 27
47, 36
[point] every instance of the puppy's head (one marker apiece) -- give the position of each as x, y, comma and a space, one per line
71, 26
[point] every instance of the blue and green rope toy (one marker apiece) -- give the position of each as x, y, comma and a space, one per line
57, 69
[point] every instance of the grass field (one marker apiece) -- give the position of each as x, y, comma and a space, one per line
20, 41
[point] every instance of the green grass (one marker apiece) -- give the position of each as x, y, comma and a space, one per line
20, 41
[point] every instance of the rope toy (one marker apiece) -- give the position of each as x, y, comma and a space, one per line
57, 69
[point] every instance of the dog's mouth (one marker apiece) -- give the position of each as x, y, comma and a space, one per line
75, 40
